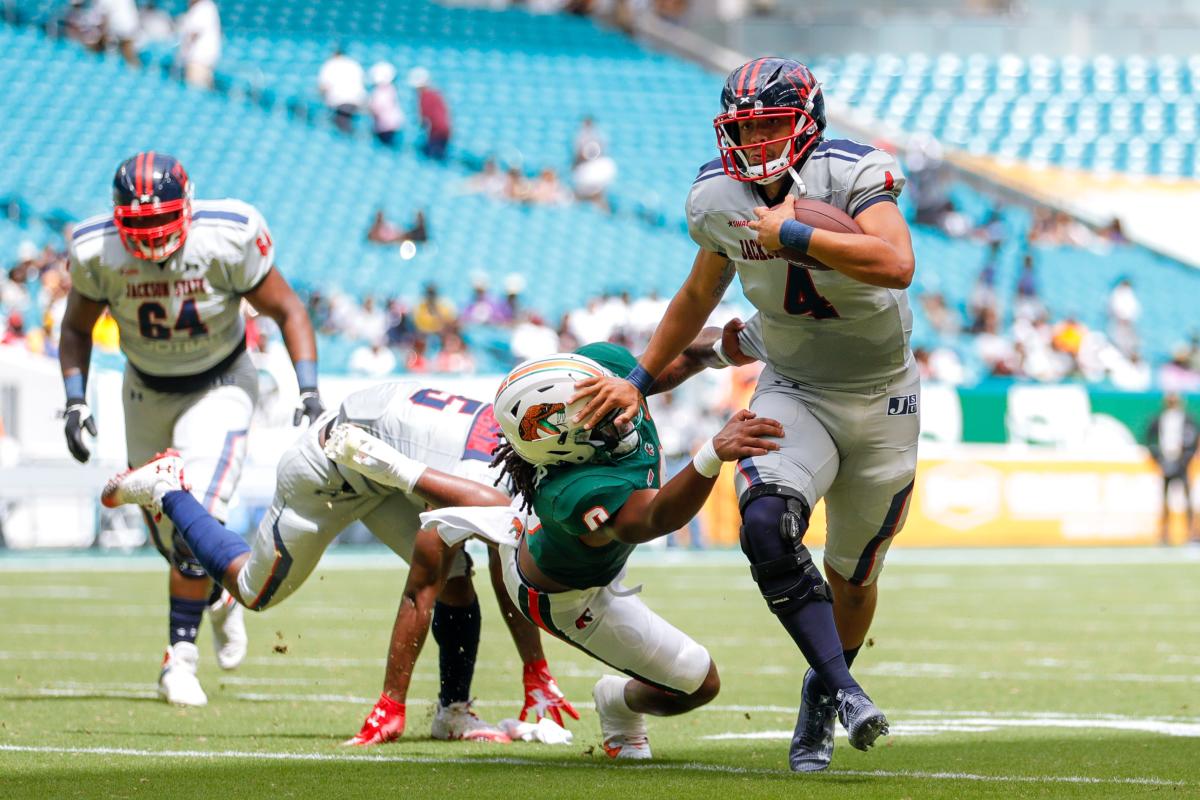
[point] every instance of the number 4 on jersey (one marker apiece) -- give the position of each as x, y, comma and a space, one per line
801, 297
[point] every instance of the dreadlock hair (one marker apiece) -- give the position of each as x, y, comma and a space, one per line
520, 473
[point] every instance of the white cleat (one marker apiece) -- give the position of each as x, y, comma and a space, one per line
178, 684
145, 485
458, 722
229, 631
624, 731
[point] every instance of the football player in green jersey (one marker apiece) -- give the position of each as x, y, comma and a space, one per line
584, 500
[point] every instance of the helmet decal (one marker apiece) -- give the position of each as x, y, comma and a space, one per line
543, 421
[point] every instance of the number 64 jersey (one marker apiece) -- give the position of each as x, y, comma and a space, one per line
814, 325
181, 317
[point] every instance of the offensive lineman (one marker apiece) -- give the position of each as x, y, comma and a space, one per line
593, 496
840, 375
173, 272
379, 458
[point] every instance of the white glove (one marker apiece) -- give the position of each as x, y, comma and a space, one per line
374, 459
545, 730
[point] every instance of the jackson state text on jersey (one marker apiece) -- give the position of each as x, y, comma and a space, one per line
816, 327
182, 317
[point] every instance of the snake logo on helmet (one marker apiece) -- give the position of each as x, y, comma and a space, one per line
766, 89
152, 205
534, 409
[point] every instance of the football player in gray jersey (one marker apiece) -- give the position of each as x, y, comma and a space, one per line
832, 326
173, 273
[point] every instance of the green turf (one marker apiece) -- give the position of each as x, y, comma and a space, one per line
1094, 647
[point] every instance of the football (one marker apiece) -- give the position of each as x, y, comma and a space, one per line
819, 215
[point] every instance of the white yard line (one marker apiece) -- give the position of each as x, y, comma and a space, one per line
573, 764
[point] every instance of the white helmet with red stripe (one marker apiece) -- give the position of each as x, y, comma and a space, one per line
534, 409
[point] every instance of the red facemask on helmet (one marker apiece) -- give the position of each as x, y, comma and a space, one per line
152, 205
764, 162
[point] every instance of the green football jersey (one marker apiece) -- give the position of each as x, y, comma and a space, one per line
574, 500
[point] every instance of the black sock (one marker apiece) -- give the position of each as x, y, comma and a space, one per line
817, 687
811, 627
185, 619
456, 631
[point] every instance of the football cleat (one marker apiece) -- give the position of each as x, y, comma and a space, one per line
458, 722
177, 683
863, 721
624, 731
812, 742
146, 485
229, 631
384, 724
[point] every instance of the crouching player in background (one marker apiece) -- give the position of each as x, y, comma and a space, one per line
385, 453
593, 496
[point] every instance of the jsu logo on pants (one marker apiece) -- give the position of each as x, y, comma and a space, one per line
904, 404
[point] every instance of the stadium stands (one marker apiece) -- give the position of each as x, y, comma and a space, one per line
518, 90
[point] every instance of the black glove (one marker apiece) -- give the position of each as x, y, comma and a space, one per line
310, 407
78, 419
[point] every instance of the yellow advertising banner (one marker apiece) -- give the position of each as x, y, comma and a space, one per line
994, 497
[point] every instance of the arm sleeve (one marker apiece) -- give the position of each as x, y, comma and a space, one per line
84, 277
696, 218
876, 178
590, 501
258, 255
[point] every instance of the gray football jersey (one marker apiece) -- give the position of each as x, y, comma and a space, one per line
183, 316
446, 431
814, 325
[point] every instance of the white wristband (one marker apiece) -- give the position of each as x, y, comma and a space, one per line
407, 472
719, 351
706, 462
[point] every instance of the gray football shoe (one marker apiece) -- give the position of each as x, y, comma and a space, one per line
812, 742
862, 719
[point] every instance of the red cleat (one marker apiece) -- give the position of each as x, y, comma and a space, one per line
384, 724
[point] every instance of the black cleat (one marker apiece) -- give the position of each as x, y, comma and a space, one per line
812, 743
863, 721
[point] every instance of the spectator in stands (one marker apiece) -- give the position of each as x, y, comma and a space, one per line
678, 426
983, 304
1113, 233
119, 28
416, 360
200, 42
997, 353
340, 82
384, 232
387, 118
533, 338
514, 285
589, 142
992, 230
589, 324
483, 309
591, 176
1028, 304
489, 181
374, 360
1177, 374
370, 323
1130, 374
1172, 439
435, 114
154, 25
399, 322
77, 22
940, 316
1123, 312
454, 358
434, 313
14, 330
548, 190
517, 187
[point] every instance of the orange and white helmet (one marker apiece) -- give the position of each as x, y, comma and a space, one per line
534, 410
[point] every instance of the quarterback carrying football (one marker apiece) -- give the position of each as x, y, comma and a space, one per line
833, 327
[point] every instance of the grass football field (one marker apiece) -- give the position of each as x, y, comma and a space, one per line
1005, 674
